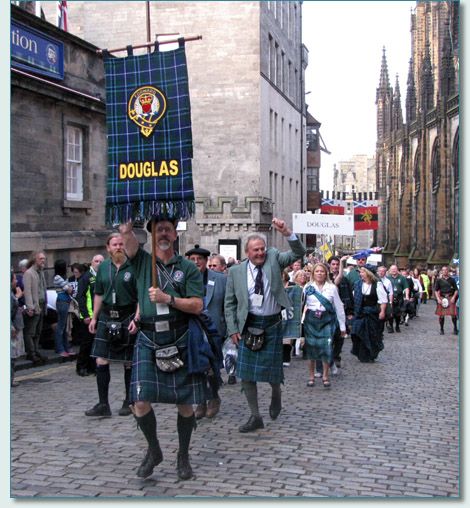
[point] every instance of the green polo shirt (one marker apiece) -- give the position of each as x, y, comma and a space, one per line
184, 274
122, 281
399, 284
353, 276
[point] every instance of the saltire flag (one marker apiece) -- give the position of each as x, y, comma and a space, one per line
332, 206
62, 15
366, 215
150, 148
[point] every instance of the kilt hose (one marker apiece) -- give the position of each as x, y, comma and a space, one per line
266, 364
150, 384
103, 347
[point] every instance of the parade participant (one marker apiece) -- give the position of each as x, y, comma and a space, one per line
323, 311
217, 263
291, 326
253, 301
346, 296
164, 317
366, 334
382, 276
16, 329
401, 294
114, 306
64, 291
446, 292
353, 274
426, 283
214, 294
86, 365
35, 300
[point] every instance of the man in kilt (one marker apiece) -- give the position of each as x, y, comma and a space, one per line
401, 296
115, 302
446, 292
163, 327
254, 299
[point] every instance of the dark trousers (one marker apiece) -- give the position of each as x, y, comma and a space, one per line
286, 353
84, 360
32, 333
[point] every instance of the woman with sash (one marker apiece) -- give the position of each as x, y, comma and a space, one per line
323, 312
370, 305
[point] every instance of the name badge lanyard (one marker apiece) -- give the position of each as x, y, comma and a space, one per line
113, 280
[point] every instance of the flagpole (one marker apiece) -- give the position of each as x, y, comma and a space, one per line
147, 19
154, 257
151, 43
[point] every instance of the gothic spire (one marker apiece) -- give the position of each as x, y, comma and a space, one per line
411, 95
396, 108
427, 85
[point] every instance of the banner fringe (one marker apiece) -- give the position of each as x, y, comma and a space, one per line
144, 210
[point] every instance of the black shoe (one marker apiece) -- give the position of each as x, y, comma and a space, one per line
232, 380
442, 332
397, 329
252, 424
275, 409
99, 410
82, 372
456, 332
125, 409
183, 467
390, 330
152, 458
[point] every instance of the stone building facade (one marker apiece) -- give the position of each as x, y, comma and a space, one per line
418, 154
58, 135
247, 98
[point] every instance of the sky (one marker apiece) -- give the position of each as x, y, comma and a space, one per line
345, 40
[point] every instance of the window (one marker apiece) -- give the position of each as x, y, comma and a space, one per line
312, 180
435, 166
74, 164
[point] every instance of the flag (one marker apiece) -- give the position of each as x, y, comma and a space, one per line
332, 206
62, 15
366, 215
148, 120
326, 251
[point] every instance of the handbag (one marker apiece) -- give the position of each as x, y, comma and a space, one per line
168, 358
254, 338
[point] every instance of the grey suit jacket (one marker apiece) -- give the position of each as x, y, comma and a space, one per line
214, 300
236, 294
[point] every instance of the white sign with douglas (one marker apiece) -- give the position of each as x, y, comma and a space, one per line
323, 224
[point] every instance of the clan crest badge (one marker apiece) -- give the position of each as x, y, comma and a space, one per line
146, 107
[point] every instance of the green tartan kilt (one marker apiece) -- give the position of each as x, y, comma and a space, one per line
266, 364
318, 337
150, 384
102, 346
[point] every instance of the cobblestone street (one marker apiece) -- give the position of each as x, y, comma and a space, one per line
386, 429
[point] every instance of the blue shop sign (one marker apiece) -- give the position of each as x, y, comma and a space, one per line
34, 51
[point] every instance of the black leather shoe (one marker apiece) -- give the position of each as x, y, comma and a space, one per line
232, 380
99, 410
275, 409
441, 332
183, 467
82, 372
397, 329
152, 458
252, 424
125, 409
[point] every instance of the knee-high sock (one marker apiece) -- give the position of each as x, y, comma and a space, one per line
251, 393
441, 322
148, 426
276, 392
127, 380
185, 426
103, 377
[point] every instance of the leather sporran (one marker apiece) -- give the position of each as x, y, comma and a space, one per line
254, 338
168, 359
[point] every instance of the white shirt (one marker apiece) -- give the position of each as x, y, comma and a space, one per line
381, 293
269, 305
330, 292
389, 288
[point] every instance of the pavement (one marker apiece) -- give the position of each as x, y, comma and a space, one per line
388, 429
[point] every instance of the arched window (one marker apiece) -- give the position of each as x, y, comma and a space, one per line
455, 160
435, 167
416, 172
402, 177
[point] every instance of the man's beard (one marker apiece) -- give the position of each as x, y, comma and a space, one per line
164, 245
118, 257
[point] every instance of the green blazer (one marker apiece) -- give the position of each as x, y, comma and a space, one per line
236, 294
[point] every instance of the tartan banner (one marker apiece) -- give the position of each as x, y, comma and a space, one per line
366, 215
148, 120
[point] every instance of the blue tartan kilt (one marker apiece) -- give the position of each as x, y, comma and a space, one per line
150, 384
102, 346
266, 364
319, 334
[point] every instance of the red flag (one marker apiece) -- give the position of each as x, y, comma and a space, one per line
366, 217
62, 15
332, 209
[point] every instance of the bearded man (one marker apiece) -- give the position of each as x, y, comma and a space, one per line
114, 307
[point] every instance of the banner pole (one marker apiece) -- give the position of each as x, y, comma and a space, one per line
154, 258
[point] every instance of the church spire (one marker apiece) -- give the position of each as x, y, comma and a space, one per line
396, 108
410, 95
384, 98
427, 84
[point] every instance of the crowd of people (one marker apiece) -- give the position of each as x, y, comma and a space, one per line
165, 317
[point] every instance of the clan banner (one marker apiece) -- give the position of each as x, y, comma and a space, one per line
333, 206
150, 149
366, 215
